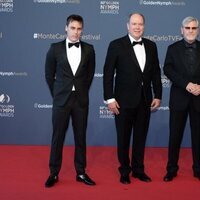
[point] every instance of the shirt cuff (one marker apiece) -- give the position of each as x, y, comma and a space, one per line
109, 101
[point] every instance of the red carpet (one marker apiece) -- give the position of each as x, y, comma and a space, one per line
24, 169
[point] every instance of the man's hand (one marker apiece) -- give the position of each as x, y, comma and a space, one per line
193, 88
113, 107
155, 104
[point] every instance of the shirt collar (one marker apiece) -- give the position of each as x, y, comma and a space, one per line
69, 41
134, 40
192, 45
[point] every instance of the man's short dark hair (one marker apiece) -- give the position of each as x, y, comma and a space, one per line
74, 17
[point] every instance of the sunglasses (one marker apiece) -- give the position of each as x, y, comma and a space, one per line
191, 28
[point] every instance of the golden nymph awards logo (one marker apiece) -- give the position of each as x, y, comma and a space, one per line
109, 7
6, 5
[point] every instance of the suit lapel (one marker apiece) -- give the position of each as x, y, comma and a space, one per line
147, 53
131, 51
83, 52
182, 55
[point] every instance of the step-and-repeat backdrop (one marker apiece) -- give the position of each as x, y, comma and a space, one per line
28, 27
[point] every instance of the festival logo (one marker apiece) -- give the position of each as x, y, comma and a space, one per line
109, 7
42, 106
4, 98
57, 1
165, 81
162, 3
6, 109
6, 5
105, 113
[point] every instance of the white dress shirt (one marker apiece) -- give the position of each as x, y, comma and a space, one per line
139, 52
74, 57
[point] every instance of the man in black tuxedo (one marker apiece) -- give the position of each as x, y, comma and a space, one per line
182, 67
69, 70
134, 61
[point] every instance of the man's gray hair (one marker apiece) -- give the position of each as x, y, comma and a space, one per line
188, 20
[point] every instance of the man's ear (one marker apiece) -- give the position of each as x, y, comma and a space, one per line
66, 29
181, 30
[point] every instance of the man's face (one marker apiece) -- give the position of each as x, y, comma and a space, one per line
74, 30
190, 31
135, 26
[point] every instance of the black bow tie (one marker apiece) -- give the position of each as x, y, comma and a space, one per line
134, 43
76, 44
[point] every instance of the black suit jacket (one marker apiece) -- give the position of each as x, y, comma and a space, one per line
59, 75
130, 81
175, 68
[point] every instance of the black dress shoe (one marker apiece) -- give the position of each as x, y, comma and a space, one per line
125, 179
197, 176
142, 177
51, 181
85, 179
169, 177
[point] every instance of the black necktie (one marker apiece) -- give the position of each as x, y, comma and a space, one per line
134, 43
76, 44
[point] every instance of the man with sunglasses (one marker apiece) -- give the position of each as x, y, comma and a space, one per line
182, 67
